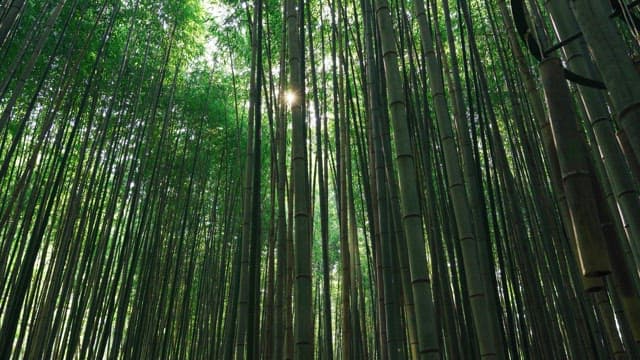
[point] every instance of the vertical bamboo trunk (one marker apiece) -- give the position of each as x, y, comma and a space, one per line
617, 69
576, 178
596, 111
484, 316
428, 345
303, 307
327, 341
281, 318
246, 332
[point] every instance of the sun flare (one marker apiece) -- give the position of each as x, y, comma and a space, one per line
289, 97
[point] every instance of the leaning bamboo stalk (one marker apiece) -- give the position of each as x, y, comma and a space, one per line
576, 177
617, 69
411, 214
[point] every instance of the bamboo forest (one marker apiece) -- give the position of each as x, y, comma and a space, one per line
319, 179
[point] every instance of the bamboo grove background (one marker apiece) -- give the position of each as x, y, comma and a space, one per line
342, 179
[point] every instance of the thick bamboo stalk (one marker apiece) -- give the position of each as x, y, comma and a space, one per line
411, 217
617, 69
576, 177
